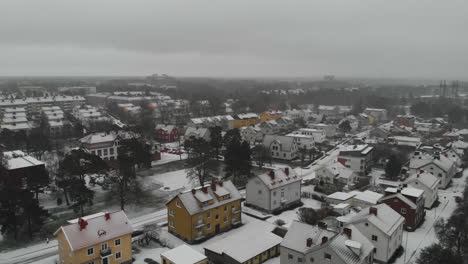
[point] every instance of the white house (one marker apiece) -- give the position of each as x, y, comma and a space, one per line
197, 132
104, 145
275, 190
328, 129
311, 245
365, 199
318, 135
381, 225
427, 182
303, 141
437, 165
357, 157
335, 177
251, 134
281, 147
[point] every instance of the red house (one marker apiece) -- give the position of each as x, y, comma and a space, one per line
167, 133
408, 202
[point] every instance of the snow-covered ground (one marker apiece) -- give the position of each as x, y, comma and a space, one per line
425, 235
289, 216
167, 157
170, 181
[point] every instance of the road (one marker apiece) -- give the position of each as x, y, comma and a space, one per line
40, 251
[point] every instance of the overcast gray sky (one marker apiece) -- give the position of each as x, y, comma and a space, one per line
235, 38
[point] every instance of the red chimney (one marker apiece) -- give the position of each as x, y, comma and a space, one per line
309, 242
204, 189
373, 210
213, 187
82, 223
272, 175
220, 183
421, 171
324, 240
348, 232
286, 171
194, 191
107, 216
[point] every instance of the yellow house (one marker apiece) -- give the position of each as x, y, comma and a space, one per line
270, 115
103, 238
243, 120
183, 255
203, 212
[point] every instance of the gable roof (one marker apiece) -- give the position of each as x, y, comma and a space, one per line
425, 178
286, 142
402, 198
98, 230
280, 178
421, 160
192, 204
387, 220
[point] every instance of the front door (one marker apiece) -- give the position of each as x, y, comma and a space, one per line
105, 261
217, 228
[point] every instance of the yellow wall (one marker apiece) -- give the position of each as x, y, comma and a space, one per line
185, 224
205, 261
81, 255
265, 116
237, 123
262, 257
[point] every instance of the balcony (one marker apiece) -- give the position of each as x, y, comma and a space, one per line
199, 224
106, 252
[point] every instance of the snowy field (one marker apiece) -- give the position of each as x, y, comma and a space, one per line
170, 181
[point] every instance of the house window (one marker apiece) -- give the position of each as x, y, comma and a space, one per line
118, 255
171, 212
440, 174
208, 215
259, 191
117, 242
178, 204
366, 224
327, 256
208, 226
375, 250
104, 246
225, 219
172, 224
111, 151
274, 202
290, 256
274, 193
311, 259
217, 217
282, 193
105, 152
99, 152
403, 210
90, 251
374, 238
225, 208
299, 260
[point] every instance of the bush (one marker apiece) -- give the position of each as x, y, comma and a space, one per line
308, 216
280, 222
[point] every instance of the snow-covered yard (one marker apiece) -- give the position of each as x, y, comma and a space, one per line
170, 181
289, 216
168, 157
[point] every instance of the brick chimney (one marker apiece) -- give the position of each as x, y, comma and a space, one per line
373, 210
272, 175
107, 216
348, 232
82, 223
286, 171
324, 240
213, 187
204, 189
194, 191
309, 242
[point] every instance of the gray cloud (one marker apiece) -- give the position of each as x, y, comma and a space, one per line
365, 38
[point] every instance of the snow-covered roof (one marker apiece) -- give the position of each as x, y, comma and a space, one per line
386, 219
286, 142
193, 205
407, 191
299, 232
421, 160
196, 132
99, 138
17, 160
278, 178
367, 196
293, 135
255, 239
183, 254
247, 116
98, 229
425, 178
341, 196
402, 198
20, 126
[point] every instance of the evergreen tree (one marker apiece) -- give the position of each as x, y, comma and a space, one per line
393, 166
216, 139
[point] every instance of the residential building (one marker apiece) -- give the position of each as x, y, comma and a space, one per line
197, 133
104, 145
310, 244
340, 197
335, 177
381, 225
438, 165
270, 115
15, 119
254, 243
303, 141
380, 114
242, 120
55, 118
104, 238
224, 121
408, 202
130, 108
203, 212
428, 183
77, 89
334, 112
87, 114
274, 191
23, 168
318, 135
183, 254
281, 147
413, 142
167, 133
251, 134
365, 199
357, 157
